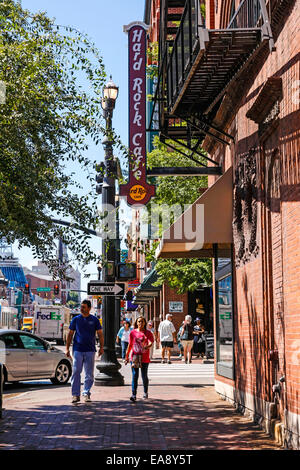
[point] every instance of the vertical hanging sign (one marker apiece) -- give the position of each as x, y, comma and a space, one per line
137, 190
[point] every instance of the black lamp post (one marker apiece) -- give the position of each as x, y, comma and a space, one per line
109, 366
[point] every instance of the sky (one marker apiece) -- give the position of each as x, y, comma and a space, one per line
103, 22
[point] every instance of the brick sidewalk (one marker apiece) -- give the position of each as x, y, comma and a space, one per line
174, 417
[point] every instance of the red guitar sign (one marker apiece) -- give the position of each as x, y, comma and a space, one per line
137, 190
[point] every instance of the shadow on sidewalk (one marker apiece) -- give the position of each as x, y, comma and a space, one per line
154, 424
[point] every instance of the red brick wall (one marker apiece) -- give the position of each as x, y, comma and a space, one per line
154, 21
35, 282
210, 14
268, 286
170, 295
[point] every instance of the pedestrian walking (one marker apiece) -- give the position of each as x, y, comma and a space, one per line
166, 337
150, 328
199, 343
140, 342
123, 337
84, 328
187, 338
179, 342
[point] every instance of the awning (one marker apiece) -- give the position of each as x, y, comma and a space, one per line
14, 273
145, 292
206, 222
147, 284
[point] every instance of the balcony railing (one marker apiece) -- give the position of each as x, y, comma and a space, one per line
199, 63
184, 48
248, 15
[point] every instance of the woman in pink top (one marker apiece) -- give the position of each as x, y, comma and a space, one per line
140, 342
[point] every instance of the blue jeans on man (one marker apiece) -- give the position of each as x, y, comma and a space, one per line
86, 361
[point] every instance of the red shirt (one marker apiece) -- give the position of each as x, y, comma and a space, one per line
137, 342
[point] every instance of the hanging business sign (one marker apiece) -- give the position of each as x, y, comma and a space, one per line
137, 190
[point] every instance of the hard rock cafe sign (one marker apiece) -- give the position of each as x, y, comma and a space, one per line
137, 190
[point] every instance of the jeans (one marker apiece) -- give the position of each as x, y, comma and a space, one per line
81, 360
124, 348
135, 377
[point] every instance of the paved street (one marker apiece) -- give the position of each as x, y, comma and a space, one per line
181, 373
183, 412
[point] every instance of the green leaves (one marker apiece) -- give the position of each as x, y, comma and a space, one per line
181, 274
184, 274
54, 77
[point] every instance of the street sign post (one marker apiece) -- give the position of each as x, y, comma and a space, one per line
106, 288
43, 289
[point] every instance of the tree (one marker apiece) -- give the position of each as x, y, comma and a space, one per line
73, 300
181, 274
53, 78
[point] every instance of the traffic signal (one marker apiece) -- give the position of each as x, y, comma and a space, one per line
26, 289
100, 168
126, 271
56, 289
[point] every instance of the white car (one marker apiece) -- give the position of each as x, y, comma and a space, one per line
27, 357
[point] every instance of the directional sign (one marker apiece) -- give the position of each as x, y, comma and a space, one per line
105, 288
43, 289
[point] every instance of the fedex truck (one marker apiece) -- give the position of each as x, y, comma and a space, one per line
51, 322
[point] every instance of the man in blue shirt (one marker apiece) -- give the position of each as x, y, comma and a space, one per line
85, 327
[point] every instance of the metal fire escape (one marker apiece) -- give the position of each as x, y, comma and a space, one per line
197, 66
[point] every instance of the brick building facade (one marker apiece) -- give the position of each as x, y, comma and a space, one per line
256, 282
265, 161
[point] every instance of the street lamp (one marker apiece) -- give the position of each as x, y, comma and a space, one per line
109, 366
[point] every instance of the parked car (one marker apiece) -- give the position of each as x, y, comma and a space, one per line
28, 357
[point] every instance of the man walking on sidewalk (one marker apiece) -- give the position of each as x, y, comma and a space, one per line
167, 337
85, 327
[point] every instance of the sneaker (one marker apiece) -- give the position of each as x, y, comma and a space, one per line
145, 396
169, 362
133, 398
87, 398
75, 399
162, 361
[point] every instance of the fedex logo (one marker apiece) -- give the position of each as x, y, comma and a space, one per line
49, 316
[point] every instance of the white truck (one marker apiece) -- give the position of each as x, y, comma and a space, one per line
51, 322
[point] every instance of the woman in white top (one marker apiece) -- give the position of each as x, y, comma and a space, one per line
123, 336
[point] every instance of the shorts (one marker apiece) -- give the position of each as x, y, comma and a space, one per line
167, 344
187, 342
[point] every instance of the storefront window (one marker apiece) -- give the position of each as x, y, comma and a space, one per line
224, 317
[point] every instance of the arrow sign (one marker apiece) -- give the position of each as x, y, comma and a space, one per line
105, 288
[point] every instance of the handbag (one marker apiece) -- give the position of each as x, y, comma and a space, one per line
136, 361
185, 334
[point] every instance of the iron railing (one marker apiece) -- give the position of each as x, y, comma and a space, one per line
178, 57
184, 49
248, 15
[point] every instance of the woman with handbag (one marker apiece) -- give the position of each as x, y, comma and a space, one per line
187, 339
198, 338
140, 342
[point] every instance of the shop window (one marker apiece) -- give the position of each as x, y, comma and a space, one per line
224, 317
200, 303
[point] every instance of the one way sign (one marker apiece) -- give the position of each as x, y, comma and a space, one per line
105, 288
